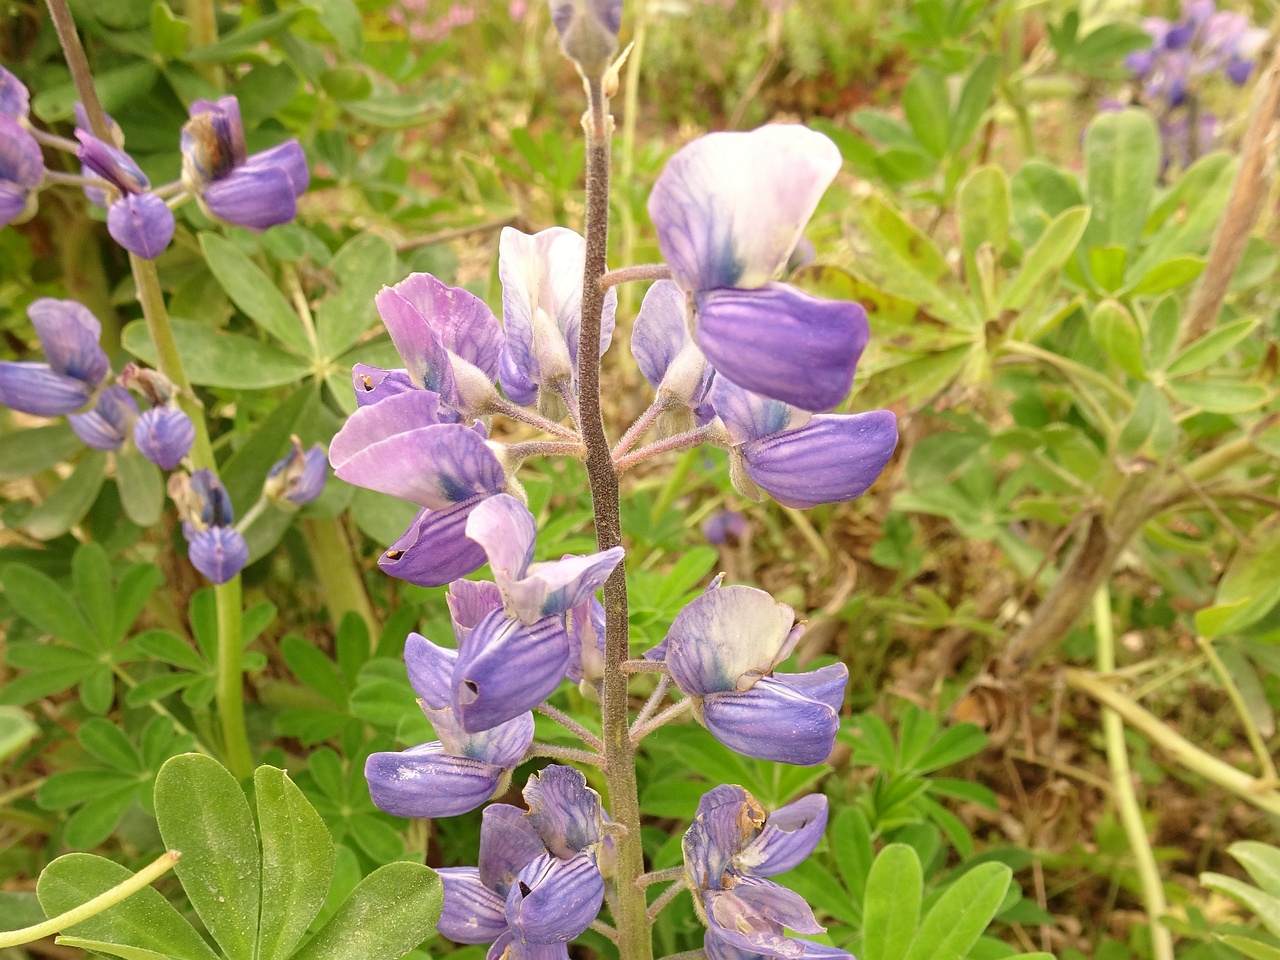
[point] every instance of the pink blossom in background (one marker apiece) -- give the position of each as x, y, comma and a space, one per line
517, 9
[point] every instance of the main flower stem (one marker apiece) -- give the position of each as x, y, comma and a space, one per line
237, 755
634, 941
340, 576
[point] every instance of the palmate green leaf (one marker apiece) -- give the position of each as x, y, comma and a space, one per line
983, 206
851, 847
253, 292
342, 19
145, 920
363, 265
1116, 331
112, 949
395, 111
1220, 396
1170, 275
141, 486
1048, 255
242, 44
1262, 861
975, 96
70, 500
915, 380
891, 907
389, 913
1249, 587
927, 106
1040, 192
215, 358
1254, 949
1184, 219
92, 824
1122, 159
202, 811
39, 599
26, 452
91, 578
297, 862
956, 921
116, 87
1212, 347
1266, 906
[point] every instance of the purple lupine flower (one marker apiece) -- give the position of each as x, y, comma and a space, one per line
730, 209
106, 426
372, 384
586, 628
219, 553
541, 277
137, 219
256, 192
21, 168
724, 525
723, 649
538, 884
449, 339
588, 32
798, 459
299, 477
164, 435
76, 364
459, 771
505, 528
96, 195
215, 547
399, 446
15, 99
731, 846
667, 356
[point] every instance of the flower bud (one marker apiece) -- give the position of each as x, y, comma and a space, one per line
588, 32
164, 436
298, 478
219, 553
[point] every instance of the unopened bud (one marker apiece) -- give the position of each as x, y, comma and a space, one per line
588, 32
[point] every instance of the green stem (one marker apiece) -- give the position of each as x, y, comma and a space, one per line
235, 741
1266, 765
634, 940
340, 577
204, 32
1122, 788
104, 901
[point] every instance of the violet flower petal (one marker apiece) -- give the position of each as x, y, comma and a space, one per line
106, 426
15, 202
470, 601
142, 223
825, 685
252, 197
506, 667
831, 459
730, 207
15, 100
164, 436
372, 384
507, 844
565, 812
472, 912
773, 721
586, 628
783, 343
219, 553
727, 639
216, 509
212, 141
424, 781
504, 745
788, 837
516, 385
667, 356
779, 904
69, 334
554, 900
750, 416
416, 340
727, 820
430, 669
36, 389
461, 321
717, 949
21, 161
287, 157
435, 550
507, 947
111, 164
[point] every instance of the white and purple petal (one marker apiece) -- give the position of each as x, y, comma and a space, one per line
21, 161
783, 343
505, 528
773, 721
506, 667
667, 356
472, 913
730, 207
833, 458
15, 100
749, 416
727, 820
111, 163
727, 639
372, 384
435, 550
424, 781
470, 601
288, 158
555, 900
507, 947
461, 321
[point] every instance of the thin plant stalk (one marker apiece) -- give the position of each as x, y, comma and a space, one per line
1122, 788
340, 576
91, 908
1266, 765
634, 941
230, 678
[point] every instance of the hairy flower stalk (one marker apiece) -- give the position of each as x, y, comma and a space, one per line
620, 771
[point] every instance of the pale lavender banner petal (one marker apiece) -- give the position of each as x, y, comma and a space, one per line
506, 667
788, 837
506, 947
415, 339
727, 820
726, 639
507, 844
555, 587
783, 343
16, 202
737, 923
773, 721
435, 550
219, 553
730, 207
831, 459
779, 904
717, 949
15, 100
750, 416
504, 745
164, 436
424, 781
505, 528
36, 389
253, 197
372, 384
69, 334
470, 601
391, 417
472, 912
142, 223
106, 426
515, 384
565, 812
586, 628
667, 356
555, 900
430, 670
21, 161
434, 466
462, 321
